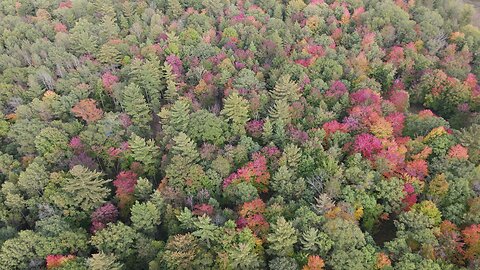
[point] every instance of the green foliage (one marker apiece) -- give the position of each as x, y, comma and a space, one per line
79, 189
117, 239
101, 261
144, 151
236, 111
184, 147
282, 238
145, 217
136, 106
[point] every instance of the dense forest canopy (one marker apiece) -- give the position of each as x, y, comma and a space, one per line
239, 134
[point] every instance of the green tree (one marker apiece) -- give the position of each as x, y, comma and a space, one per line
148, 75
136, 106
117, 239
184, 147
145, 217
102, 261
145, 152
282, 238
285, 89
205, 230
237, 113
79, 189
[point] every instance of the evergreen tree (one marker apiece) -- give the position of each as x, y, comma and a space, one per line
236, 111
185, 147
118, 239
85, 188
145, 217
102, 261
148, 75
285, 89
135, 105
171, 90
205, 230
282, 238
280, 111
145, 152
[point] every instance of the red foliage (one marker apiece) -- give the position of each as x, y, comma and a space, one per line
367, 144
334, 126
410, 198
396, 56
108, 80
400, 100
336, 90
417, 168
55, 261
314, 263
471, 237
365, 97
87, 110
125, 183
203, 209
251, 216
66, 4
397, 120
102, 216
255, 172
60, 27
458, 152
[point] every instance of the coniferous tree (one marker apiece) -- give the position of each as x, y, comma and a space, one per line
282, 238
285, 89
145, 152
185, 147
148, 76
135, 105
236, 111
101, 261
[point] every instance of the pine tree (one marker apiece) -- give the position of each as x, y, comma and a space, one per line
148, 75
291, 156
236, 111
267, 130
145, 217
146, 152
185, 147
174, 9
109, 55
280, 111
136, 106
285, 89
243, 256
205, 230
81, 188
282, 238
171, 91
179, 115
102, 261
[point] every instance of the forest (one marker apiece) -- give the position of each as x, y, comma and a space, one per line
239, 134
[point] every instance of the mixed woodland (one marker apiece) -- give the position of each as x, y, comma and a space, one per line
239, 134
